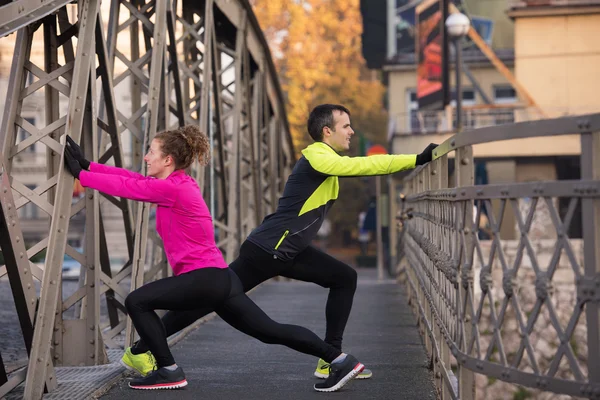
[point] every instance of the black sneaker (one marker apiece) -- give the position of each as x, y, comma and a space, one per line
340, 373
161, 378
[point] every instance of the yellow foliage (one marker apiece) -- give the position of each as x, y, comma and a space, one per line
316, 47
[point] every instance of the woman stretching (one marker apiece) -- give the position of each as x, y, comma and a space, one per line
201, 278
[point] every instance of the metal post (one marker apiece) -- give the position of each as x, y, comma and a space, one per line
457, 55
590, 169
391, 28
211, 136
465, 176
393, 232
378, 228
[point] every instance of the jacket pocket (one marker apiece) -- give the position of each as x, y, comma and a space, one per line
281, 240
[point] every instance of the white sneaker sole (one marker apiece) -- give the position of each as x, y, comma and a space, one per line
320, 375
129, 368
175, 385
325, 376
357, 370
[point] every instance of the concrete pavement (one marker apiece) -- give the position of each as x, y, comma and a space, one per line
222, 363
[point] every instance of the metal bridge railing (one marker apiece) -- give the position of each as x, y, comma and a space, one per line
524, 311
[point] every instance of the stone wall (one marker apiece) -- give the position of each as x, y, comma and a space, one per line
561, 294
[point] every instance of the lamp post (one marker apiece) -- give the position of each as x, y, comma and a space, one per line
457, 27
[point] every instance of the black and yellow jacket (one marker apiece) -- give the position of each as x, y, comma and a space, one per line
310, 191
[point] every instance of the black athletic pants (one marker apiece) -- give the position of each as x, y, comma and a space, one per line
254, 266
210, 289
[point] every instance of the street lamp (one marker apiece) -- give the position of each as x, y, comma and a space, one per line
457, 26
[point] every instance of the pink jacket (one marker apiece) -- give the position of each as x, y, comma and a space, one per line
182, 217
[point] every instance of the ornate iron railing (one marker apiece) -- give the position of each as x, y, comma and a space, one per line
524, 310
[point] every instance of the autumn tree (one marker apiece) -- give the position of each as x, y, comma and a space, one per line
316, 47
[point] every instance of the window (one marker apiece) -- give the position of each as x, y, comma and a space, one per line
468, 99
423, 121
504, 95
23, 135
29, 210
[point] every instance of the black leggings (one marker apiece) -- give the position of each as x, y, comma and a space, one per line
254, 266
211, 289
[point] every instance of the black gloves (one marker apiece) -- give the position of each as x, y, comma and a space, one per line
71, 163
77, 154
426, 156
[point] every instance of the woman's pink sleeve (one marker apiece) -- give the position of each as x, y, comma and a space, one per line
158, 191
108, 169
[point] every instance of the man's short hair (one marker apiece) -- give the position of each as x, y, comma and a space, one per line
322, 116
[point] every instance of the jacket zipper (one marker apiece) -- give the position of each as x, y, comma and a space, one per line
281, 240
287, 232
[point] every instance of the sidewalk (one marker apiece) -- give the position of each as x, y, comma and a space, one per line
222, 363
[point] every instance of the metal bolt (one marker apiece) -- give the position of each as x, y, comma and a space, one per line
464, 161
92, 341
91, 327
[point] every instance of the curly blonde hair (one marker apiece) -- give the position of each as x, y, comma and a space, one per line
185, 145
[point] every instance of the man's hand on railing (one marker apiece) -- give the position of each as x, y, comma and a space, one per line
403, 216
425, 155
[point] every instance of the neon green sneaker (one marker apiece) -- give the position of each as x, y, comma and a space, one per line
143, 363
322, 371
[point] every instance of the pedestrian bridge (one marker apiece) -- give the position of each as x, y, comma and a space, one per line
492, 313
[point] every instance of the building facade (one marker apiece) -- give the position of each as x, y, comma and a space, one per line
550, 49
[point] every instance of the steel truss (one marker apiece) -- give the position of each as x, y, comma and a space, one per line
201, 62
